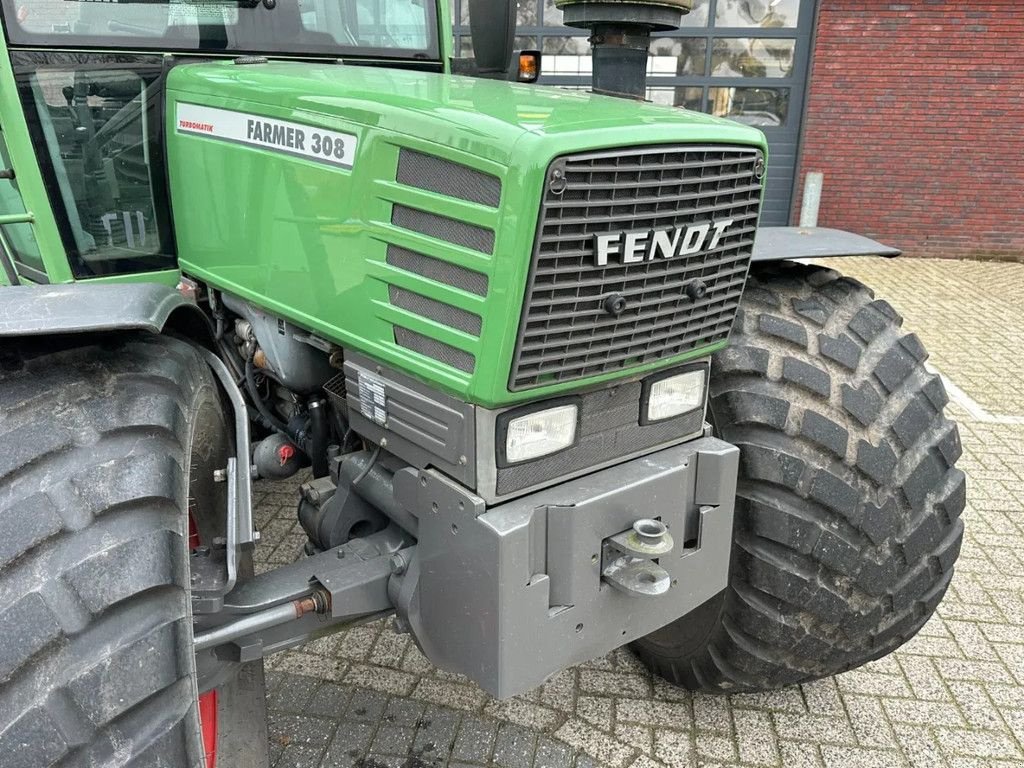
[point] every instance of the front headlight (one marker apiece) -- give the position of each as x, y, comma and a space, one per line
673, 395
539, 433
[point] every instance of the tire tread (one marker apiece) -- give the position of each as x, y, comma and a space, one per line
848, 502
100, 480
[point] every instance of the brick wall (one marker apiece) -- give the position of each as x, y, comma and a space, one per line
916, 117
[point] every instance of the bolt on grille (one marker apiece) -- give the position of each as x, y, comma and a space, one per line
567, 331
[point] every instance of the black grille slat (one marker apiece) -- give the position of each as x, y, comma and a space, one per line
669, 340
436, 269
445, 177
443, 228
644, 183
434, 349
432, 309
664, 167
601, 318
627, 285
564, 332
612, 334
658, 199
602, 330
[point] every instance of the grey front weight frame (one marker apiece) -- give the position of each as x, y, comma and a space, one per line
510, 595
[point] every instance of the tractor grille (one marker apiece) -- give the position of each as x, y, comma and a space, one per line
426, 173
565, 332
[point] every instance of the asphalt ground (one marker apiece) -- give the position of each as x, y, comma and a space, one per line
953, 696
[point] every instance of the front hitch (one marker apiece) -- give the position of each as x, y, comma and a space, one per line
510, 594
629, 560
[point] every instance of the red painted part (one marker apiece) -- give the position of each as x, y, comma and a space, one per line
208, 725
208, 700
285, 453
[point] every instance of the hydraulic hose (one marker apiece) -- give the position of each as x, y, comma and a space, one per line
319, 436
257, 622
267, 418
366, 470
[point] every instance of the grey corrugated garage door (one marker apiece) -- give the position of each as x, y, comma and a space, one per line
745, 59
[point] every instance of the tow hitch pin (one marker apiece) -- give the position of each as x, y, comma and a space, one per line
628, 559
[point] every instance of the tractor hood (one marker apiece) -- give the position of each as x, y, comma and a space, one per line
390, 211
483, 117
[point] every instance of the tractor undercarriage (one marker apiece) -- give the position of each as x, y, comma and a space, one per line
556, 575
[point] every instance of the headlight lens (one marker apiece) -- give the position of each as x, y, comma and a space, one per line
675, 395
540, 433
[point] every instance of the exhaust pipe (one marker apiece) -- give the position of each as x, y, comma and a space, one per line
620, 38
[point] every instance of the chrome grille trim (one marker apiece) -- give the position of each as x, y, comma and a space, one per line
564, 332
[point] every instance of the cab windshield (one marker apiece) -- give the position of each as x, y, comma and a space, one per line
372, 28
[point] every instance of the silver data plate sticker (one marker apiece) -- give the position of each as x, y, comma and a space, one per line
372, 399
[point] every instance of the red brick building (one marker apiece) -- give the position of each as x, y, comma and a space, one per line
915, 114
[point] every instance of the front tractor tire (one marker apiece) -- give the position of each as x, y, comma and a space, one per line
848, 503
108, 447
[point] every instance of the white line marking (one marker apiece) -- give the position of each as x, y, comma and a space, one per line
972, 406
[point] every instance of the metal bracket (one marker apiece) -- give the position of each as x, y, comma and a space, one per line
7, 262
291, 604
240, 534
7, 256
628, 559
208, 574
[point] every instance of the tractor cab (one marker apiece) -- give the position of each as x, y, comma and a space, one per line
83, 97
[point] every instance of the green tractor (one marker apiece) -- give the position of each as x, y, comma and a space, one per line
549, 395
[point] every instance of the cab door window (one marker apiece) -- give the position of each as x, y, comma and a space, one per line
96, 121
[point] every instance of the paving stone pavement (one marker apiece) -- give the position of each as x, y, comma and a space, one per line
953, 696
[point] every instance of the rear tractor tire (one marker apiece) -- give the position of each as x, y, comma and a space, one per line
848, 502
107, 450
